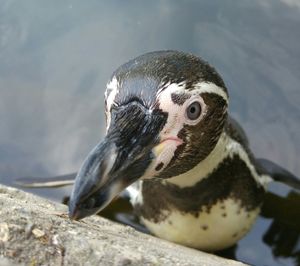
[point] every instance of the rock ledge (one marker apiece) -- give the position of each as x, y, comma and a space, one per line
35, 231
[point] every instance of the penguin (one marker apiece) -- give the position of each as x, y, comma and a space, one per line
184, 161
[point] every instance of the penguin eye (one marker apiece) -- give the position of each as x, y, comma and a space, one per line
193, 111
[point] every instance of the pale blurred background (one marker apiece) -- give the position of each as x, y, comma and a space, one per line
56, 57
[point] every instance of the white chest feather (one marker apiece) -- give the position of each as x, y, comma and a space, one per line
217, 229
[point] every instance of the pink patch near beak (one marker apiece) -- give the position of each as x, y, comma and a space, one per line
178, 141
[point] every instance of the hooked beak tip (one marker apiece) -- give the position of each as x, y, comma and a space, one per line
73, 214
76, 215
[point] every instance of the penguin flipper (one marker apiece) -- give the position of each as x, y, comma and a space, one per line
39, 182
278, 173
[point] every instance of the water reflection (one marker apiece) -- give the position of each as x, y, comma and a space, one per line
55, 59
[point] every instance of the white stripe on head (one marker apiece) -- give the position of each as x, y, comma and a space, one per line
198, 88
209, 87
169, 88
112, 88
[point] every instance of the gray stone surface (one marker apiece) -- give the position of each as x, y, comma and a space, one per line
35, 231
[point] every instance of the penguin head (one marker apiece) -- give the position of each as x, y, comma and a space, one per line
165, 112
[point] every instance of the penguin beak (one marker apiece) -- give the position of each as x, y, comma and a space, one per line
118, 161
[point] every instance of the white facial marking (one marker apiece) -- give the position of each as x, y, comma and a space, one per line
209, 87
177, 117
112, 88
164, 152
164, 86
176, 113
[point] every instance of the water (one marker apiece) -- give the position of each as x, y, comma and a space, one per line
55, 59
